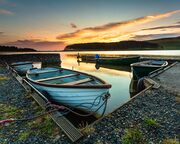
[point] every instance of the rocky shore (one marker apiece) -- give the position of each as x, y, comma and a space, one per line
16, 103
150, 118
44, 58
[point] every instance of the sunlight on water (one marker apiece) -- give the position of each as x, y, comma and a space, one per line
118, 76
138, 52
119, 79
141, 52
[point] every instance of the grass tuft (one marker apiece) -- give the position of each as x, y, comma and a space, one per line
3, 78
8, 111
171, 141
86, 129
132, 136
24, 135
151, 122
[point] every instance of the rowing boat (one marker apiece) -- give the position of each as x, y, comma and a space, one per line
71, 88
125, 60
118, 60
23, 67
143, 68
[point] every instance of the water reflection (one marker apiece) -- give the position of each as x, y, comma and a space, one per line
133, 87
118, 76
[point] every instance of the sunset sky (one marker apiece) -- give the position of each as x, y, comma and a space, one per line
53, 24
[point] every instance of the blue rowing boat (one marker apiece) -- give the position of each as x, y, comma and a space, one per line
71, 88
141, 69
23, 67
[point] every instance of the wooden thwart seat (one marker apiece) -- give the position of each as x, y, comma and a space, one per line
44, 72
79, 81
58, 77
16, 64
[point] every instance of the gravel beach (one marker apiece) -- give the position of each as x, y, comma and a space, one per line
152, 117
157, 104
16, 103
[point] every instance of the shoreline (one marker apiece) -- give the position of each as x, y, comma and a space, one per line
160, 105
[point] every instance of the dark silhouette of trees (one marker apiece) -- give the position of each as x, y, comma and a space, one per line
123, 45
15, 49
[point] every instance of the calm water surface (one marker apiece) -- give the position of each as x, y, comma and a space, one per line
119, 79
138, 52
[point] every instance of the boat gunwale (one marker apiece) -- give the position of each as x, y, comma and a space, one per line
143, 64
25, 63
104, 84
110, 58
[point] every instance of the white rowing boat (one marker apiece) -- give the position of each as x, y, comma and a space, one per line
71, 88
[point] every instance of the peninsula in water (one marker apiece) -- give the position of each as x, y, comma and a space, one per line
157, 44
15, 49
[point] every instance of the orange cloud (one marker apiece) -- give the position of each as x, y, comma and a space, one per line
38, 44
110, 32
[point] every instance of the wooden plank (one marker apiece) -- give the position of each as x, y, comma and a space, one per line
67, 127
78, 82
45, 72
58, 77
152, 82
73, 133
16, 64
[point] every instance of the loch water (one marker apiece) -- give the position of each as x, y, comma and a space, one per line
118, 76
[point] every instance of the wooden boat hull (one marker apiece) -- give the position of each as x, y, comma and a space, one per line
111, 60
118, 61
142, 71
87, 59
88, 100
86, 97
139, 70
23, 67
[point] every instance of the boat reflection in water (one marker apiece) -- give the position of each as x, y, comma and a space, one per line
141, 70
109, 60
133, 87
118, 76
114, 67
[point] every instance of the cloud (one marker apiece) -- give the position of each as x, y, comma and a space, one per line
163, 27
154, 36
2, 34
73, 25
5, 12
112, 30
37, 44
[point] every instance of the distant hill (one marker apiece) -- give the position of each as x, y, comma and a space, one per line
15, 49
168, 43
114, 46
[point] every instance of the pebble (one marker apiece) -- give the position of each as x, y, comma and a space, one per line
156, 104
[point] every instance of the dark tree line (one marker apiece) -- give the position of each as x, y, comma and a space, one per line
123, 45
15, 49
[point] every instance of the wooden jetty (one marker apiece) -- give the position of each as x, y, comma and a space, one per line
66, 126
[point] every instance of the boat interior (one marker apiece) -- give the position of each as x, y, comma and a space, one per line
62, 77
150, 63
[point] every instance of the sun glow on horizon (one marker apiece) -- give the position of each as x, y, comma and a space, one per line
46, 25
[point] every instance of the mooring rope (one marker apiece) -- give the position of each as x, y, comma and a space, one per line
54, 108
